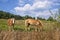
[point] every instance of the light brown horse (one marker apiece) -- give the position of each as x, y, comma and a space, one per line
10, 23
37, 23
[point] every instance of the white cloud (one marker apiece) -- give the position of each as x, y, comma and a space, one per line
25, 8
21, 3
37, 5
42, 4
44, 14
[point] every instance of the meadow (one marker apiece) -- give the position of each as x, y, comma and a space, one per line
51, 31
20, 25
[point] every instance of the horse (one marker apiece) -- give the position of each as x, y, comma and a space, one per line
37, 23
10, 23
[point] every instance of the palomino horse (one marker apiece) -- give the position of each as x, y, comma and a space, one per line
37, 23
11, 23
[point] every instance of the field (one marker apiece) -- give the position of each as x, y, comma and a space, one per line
51, 31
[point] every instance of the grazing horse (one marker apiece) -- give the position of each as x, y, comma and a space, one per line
37, 23
11, 23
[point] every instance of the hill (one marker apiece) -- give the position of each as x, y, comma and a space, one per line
6, 15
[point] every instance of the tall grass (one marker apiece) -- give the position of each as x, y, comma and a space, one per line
19, 25
51, 31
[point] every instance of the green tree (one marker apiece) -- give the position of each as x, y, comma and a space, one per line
26, 17
50, 19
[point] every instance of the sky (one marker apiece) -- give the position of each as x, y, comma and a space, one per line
32, 8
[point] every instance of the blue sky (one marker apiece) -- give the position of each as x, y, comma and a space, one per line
30, 7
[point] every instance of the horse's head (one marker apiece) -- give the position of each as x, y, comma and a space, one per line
40, 23
26, 22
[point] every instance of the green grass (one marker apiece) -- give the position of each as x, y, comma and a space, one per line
3, 24
19, 25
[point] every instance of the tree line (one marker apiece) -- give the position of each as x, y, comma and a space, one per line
7, 15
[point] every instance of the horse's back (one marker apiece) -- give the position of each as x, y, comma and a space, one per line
33, 21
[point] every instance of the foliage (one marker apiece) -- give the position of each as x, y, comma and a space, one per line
58, 18
50, 19
40, 18
6, 15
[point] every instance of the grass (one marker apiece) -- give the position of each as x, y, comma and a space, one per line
50, 32
19, 25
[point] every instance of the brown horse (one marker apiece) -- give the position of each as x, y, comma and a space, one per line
11, 23
37, 23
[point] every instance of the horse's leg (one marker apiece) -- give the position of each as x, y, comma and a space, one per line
13, 27
40, 28
9, 29
26, 24
13, 24
36, 28
26, 28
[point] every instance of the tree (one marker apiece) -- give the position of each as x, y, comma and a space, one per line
54, 15
40, 18
6, 15
26, 17
58, 18
50, 19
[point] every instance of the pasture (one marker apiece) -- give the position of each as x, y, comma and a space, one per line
51, 31
20, 25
